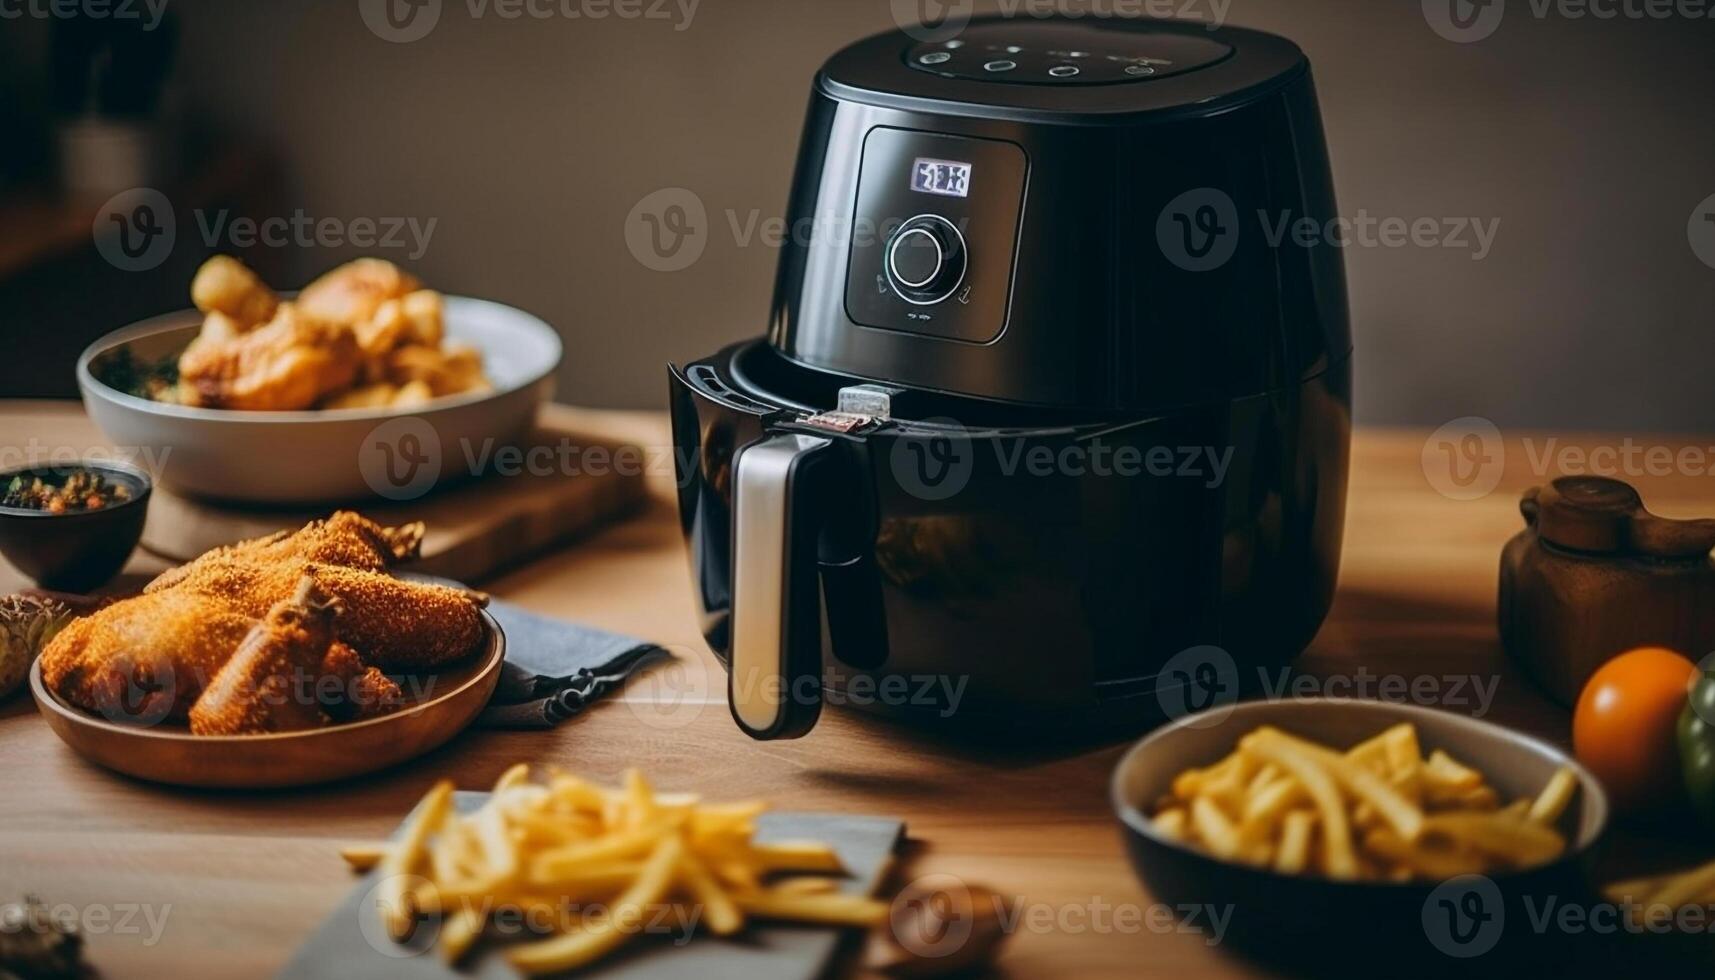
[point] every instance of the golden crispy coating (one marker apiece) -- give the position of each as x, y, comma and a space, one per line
225, 286
143, 659
270, 683
291, 362
404, 626
175, 637
345, 538
363, 691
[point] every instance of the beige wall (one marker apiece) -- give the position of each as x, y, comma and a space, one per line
529, 141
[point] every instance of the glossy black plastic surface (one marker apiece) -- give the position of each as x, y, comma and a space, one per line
1109, 299
992, 581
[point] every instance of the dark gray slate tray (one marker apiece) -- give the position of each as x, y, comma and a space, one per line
351, 945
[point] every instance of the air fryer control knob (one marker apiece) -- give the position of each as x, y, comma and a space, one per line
926, 259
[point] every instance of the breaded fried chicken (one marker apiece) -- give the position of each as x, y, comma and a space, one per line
190, 621
269, 683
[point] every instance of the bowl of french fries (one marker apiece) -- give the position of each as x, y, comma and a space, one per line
1327, 826
365, 383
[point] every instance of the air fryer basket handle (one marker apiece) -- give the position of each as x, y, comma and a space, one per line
780, 496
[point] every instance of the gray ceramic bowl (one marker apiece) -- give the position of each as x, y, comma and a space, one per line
326, 457
1374, 928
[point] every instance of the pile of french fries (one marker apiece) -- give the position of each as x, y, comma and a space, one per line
1379, 811
564, 844
1655, 902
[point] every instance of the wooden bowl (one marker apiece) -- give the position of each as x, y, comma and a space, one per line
1334, 928
171, 754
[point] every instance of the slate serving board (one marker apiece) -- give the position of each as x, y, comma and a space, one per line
342, 946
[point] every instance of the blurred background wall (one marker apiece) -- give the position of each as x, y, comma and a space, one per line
528, 141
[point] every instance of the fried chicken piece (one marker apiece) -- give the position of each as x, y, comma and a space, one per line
398, 625
344, 538
227, 287
289, 363
187, 624
363, 691
144, 659
270, 683
352, 293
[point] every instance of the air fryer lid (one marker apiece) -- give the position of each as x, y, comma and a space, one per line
1068, 214
1057, 65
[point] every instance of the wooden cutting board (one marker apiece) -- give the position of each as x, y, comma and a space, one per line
476, 528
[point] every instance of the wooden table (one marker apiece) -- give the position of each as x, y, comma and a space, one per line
246, 876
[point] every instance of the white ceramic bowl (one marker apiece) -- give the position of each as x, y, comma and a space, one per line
327, 457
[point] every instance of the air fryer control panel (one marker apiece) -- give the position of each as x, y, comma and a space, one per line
934, 231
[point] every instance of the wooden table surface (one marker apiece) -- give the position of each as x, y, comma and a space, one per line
236, 881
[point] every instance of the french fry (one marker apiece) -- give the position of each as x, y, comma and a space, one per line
1517, 842
1217, 832
1293, 855
1171, 822
392, 898
1338, 857
831, 910
582, 946
1687, 888
1422, 859
1552, 801
797, 855
1391, 806
459, 932
719, 912
362, 857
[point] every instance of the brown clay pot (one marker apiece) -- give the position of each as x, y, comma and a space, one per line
1594, 574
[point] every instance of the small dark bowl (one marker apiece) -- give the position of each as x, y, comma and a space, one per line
1328, 928
79, 550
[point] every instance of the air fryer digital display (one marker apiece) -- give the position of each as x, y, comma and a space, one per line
949, 178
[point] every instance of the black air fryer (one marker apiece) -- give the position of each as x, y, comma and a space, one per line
1045, 400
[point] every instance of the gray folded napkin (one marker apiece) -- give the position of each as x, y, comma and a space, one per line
554, 669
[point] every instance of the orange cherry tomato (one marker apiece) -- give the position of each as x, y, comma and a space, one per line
1625, 726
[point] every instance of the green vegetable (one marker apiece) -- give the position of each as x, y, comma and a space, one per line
26, 625
1697, 746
